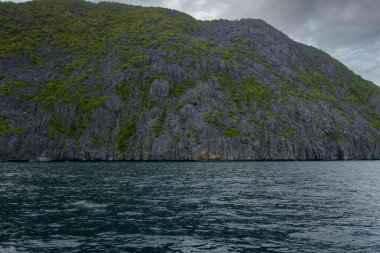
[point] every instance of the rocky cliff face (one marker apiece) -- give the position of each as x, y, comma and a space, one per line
84, 81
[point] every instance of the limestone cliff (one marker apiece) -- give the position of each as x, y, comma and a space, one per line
107, 81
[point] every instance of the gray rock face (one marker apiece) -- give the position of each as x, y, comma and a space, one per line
220, 90
159, 90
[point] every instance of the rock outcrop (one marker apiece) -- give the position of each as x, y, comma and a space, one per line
107, 81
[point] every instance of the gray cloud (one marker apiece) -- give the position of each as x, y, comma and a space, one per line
349, 30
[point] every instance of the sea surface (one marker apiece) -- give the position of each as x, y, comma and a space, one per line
190, 207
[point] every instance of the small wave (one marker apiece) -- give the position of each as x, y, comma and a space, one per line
88, 204
10, 249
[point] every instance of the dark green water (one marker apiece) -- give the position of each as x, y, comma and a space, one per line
190, 207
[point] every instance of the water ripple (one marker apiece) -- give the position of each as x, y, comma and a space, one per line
190, 207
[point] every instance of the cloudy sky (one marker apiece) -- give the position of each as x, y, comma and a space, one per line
349, 30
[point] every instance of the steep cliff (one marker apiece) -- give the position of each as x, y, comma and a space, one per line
107, 81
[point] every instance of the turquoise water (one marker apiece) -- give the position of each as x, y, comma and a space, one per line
190, 207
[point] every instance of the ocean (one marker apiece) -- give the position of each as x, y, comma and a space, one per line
190, 207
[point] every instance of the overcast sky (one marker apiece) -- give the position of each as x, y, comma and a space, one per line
349, 30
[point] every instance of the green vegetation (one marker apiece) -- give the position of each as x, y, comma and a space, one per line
67, 93
178, 89
157, 128
177, 137
88, 104
57, 90
316, 81
177, 107
255, 91
317, 84
336, 137
84, 28
208, 117
144, 95
232, 132
73, 66
284, 133
8, 88
124, 135
5, 129
58, 127
231, 114
215, 118
348, 117
253, 121
373, 119
60, 93
136, 61
247, 90
359, 92
123, 91
101, 140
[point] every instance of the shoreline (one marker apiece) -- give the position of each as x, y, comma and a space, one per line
182, 161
